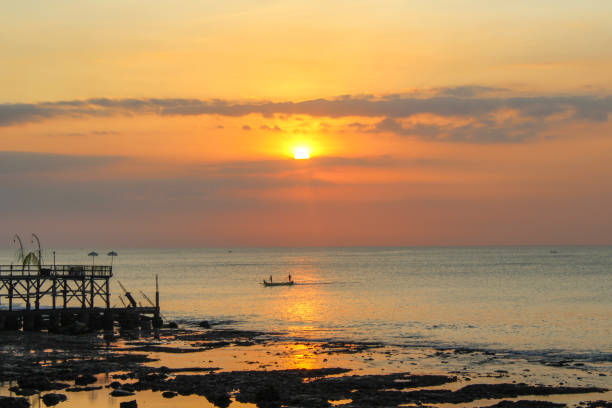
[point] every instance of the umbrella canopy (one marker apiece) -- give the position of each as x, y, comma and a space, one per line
112, 254
93, 255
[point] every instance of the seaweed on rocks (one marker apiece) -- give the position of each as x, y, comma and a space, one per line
466, 394
28, 362
222, 334
526, 404
85, 379
347, 347
52, 399
598, 404
82, 389
301, 387
14, 402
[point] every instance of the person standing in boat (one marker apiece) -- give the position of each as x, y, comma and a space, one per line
270, 278
289, 277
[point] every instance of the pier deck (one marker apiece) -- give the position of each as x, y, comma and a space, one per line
56, 296
60, 285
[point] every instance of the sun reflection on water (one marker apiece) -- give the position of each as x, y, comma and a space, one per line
301, 304
301, 356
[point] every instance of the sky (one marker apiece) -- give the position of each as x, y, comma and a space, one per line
175, 123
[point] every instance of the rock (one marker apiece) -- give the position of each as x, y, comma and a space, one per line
85, 379
309, 401
204, 324
526, 404
128, 387
172, 325
53, 399
25, 392
39, 383
169, 394
14, 402
129, 404
114, 385
218, 398
34, 382
119, 392
80, 389
267, 394
78, 328
598, 404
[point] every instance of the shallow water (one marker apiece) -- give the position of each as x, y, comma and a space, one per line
522, 299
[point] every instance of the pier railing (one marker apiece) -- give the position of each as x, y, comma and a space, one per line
63, 271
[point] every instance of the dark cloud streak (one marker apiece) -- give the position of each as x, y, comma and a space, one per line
595, 108
478, 105
20, 163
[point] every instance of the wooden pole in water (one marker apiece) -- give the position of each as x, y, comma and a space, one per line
91, 290
28, 294
37, 302
156, 298
11, 293
65, 292
83, 291
107, 295
156, 293
54, 289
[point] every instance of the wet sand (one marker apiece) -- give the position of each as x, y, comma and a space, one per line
226, 367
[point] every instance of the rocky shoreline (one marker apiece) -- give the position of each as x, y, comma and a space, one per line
55, 366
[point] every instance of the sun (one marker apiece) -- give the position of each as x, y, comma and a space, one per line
301, 153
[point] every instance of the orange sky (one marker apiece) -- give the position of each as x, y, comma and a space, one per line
483, 124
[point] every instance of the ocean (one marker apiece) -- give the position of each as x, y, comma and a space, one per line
516, 299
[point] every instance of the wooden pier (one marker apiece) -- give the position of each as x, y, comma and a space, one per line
52, 296
63, 284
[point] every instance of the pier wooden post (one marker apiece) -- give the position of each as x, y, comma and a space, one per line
10, 293
107, 295
37, 301
83, 292
28, 294
91, 289
65, 295
156, 297
53, 290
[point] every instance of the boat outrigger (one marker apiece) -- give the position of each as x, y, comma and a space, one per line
288, 283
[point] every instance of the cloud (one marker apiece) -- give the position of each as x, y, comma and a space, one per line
200, 187
29, 185
274, 128
476, 132
394, 106
20, 163
85, 134
11, 114
287, 168
468, 91
476, 103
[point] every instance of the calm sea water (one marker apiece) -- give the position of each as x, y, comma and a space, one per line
526, 299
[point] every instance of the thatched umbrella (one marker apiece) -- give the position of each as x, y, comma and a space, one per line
112, 254
93, 255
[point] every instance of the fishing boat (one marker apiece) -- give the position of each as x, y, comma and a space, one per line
287, 283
